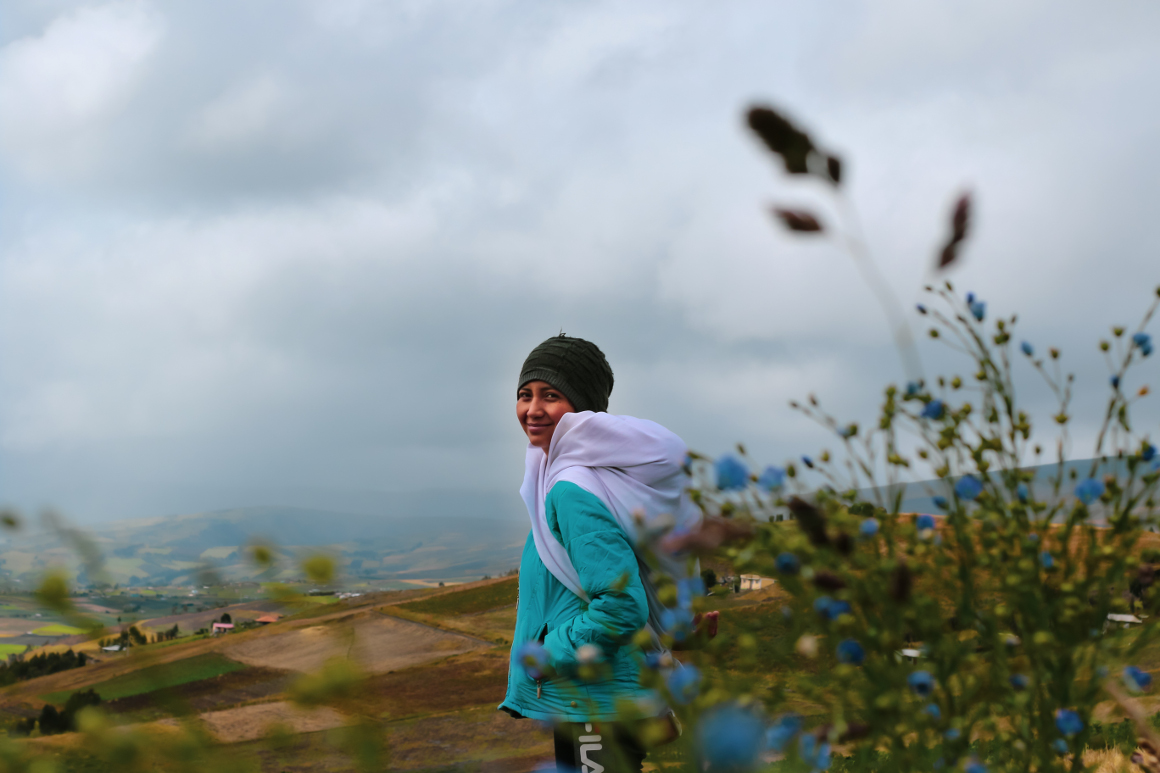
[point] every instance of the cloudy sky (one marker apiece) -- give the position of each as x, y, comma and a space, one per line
294, 251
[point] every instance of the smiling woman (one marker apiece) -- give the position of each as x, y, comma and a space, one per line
582, 596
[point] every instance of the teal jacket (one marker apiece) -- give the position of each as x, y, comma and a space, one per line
550, 613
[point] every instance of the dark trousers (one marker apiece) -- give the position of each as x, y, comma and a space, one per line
603, 747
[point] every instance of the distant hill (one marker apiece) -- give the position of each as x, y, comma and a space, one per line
184, 548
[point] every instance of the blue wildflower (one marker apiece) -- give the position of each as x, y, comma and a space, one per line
687, 589
1148, 452
970, 298
921, 682
787, 563
814, 754
684, 682
808, 462
677, 623
771, 478
941, 503
730, 738
656, 659
1023, 492
783, 731
534, 659
974, 766
978, 310
913, 388
934, 410
1019, 681
1060, 746
953, 734
1136, 679
968, 487
1027, 349
1115, 382
1046, 560
731, 473
934, 711
836, 608
868, 528
924, 522
1089, 490
850, 651
1146, 349
921, 309
1142, 339
1068, 722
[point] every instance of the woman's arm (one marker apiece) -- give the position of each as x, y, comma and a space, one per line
604, 558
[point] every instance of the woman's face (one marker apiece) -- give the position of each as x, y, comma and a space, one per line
539, 405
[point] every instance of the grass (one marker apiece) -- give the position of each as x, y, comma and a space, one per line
57, 629
158, 677
11, 649
469, 602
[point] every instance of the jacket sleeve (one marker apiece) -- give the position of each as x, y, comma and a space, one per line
604, 558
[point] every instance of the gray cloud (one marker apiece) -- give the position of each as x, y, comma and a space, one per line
283, 253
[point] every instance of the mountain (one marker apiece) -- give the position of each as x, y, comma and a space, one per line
184, 549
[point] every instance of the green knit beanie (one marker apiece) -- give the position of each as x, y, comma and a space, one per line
574, 366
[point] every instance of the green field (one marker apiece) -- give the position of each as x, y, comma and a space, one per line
11, 649
158, 677
468, 602
57, 629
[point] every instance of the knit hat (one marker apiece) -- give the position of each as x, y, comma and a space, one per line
574, 366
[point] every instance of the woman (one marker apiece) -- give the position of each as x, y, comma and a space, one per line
582, 592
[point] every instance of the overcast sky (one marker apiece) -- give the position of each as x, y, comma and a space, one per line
291, 251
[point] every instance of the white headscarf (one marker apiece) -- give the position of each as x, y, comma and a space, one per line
631, 465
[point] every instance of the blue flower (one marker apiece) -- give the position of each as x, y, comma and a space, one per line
848, 431
787, 563
1146, 349
655, 659
1045, 560
953, 734
1022, 492
808, 462
1060, 746
1089, 490
968, 487
921, 309
684, 682
934, 711
913, 388
941, 503
1019, 681
934, 410
970, 298
1068, 722
974, 766
924, 522
677, 623
731, 473
850, 651
771, 478
978, 310
1027, 349
687, 589
729, 738
534, 659
782, 732
814, 754
868, 528
1148, 452
1136, 679
1033, 537
921, 682
1142, 340
1115, 381
830, 608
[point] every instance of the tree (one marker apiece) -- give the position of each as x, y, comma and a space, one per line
226, 618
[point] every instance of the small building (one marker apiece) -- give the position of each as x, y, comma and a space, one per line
222, 628
756, 582
267, 619
111, 648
